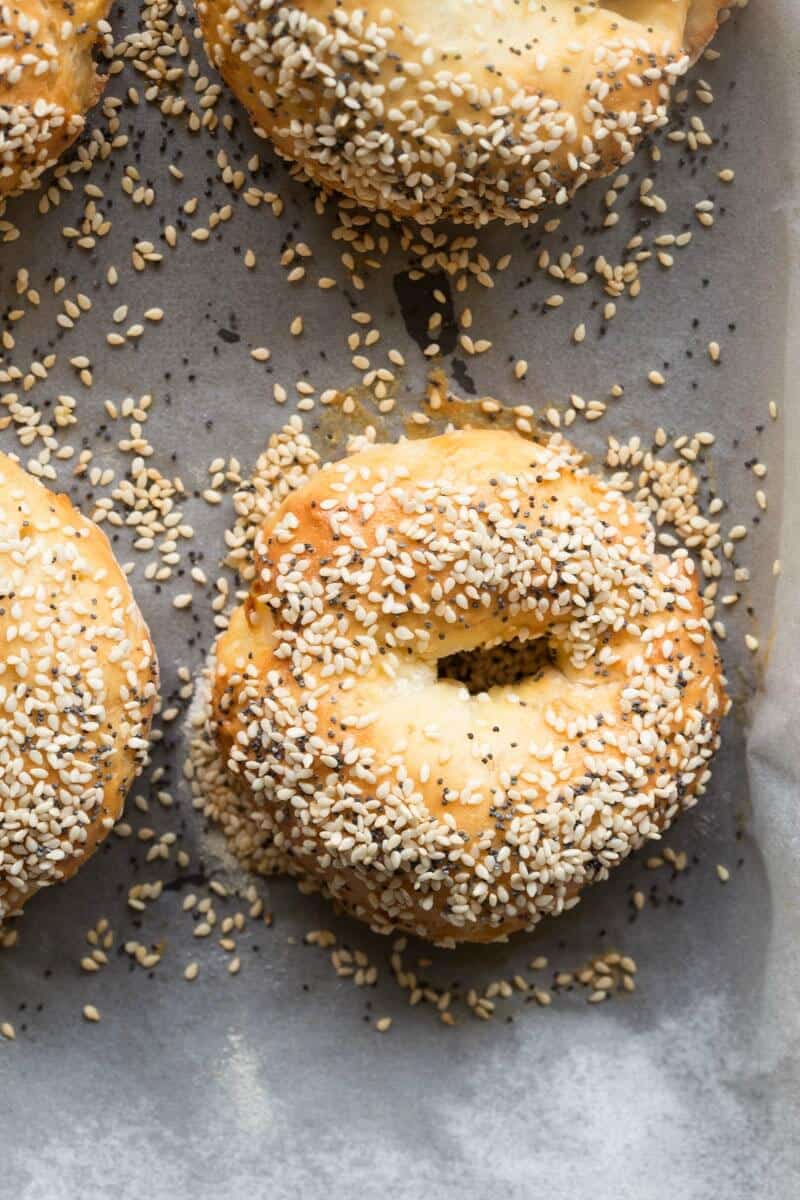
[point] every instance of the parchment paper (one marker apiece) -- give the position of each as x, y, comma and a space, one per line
274, 1083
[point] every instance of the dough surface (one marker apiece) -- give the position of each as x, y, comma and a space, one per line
78, 684
423, 803
461, 109
48, 82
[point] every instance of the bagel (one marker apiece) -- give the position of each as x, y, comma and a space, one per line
415, 800
48, 82
460, 109
78, 682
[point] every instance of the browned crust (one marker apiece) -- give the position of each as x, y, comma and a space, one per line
118, 770
703, 21
73, 88
251, 639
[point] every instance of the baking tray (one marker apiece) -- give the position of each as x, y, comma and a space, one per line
275, 1081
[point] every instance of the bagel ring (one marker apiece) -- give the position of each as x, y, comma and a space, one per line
414, 803
460, 109
78, 684
47, 83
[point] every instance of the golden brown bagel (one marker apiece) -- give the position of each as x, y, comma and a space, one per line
467, 109
78, 682
414, 803
47, 82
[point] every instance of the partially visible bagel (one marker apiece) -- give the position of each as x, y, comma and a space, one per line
78, 684
462, 109
353, 761
48, 82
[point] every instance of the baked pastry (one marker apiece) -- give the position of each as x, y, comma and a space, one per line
78, 683
47, 82
466, 109
445, 807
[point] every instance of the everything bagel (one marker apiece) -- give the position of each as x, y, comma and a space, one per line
467, 109
47, 82
78, 687
420, 804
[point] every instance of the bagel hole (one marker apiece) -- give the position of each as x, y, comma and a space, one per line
497, 666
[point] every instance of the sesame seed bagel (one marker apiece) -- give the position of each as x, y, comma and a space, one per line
47, 82
466, 109
78, 683
418, 801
